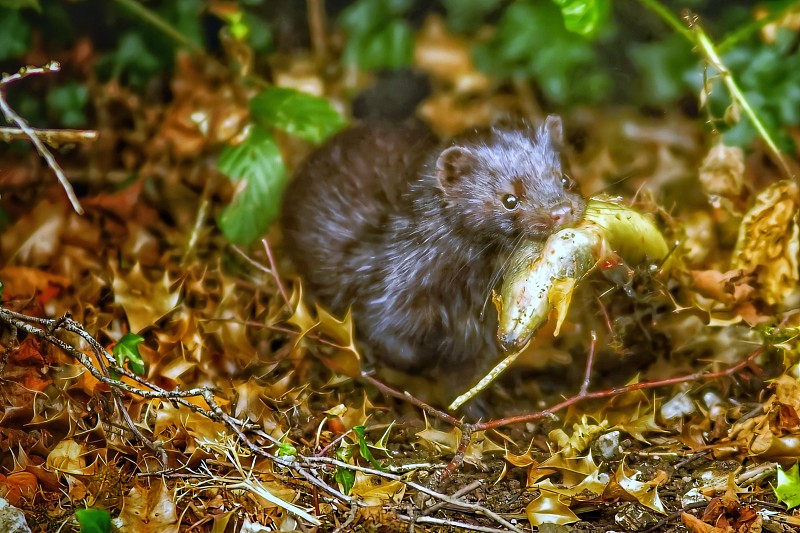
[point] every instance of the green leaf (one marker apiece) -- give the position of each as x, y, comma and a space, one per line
69, 102
363, 448
531, 41
309, 117
466, 17
15, 35
127, 349
133, 58
259, 35
663, 67
258, 165
285, 449
584, 17
377, 35
344, 476
20, 4
94, 520
788, 488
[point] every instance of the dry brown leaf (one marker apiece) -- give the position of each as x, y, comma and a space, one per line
769, 242
722, 171
448, 57
144, 301
148, 510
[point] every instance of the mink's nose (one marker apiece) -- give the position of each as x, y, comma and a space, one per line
562, 214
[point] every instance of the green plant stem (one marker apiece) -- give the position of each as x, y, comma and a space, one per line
708, 49
745, 31
665, 14
698, 37
161, 24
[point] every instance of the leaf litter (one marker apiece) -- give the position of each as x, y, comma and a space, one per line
147, 260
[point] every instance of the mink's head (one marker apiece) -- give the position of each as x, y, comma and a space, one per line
508, 183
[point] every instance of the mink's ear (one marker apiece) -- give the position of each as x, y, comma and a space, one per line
554, 130
453, 164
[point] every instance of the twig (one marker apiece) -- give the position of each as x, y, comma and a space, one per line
274, 271
12, 116
454, 523
698, 37
457, 494
316, 27
474, 507
54, 138
587, 377
698, 376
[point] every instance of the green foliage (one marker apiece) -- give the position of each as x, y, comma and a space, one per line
20, 4
258, 165
132, 60
127, 349
257, 161
531, 41
584, 17
68, 102
466, 17
664, 69
94, 520
309, 117
363, 448
15, 34
788, 488
259, 36
285, 449
769, 76
344, 476
377, 36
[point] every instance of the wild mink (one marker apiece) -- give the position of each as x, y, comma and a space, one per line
411, 232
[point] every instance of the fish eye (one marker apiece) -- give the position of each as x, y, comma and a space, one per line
510, 202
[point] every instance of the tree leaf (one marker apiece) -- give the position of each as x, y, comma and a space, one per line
94, 520
584, 17
258, 165
309, 117
788, 488
377, 35
20, 4
127, 349
15, 35
363, 448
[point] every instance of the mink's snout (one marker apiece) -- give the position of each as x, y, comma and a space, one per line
564, 214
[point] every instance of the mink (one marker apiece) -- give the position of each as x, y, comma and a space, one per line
411, 233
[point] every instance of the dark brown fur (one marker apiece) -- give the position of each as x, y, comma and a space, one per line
410, 233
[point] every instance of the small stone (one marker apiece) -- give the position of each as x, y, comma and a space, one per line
691, 497
12, 520
606, 446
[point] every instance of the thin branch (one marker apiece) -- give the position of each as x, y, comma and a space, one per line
12, 116
53, 138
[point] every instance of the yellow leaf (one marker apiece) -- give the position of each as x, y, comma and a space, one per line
548, 509
144, 301
374, 490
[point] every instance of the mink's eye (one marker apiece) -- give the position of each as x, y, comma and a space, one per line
510, 202
567, 182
